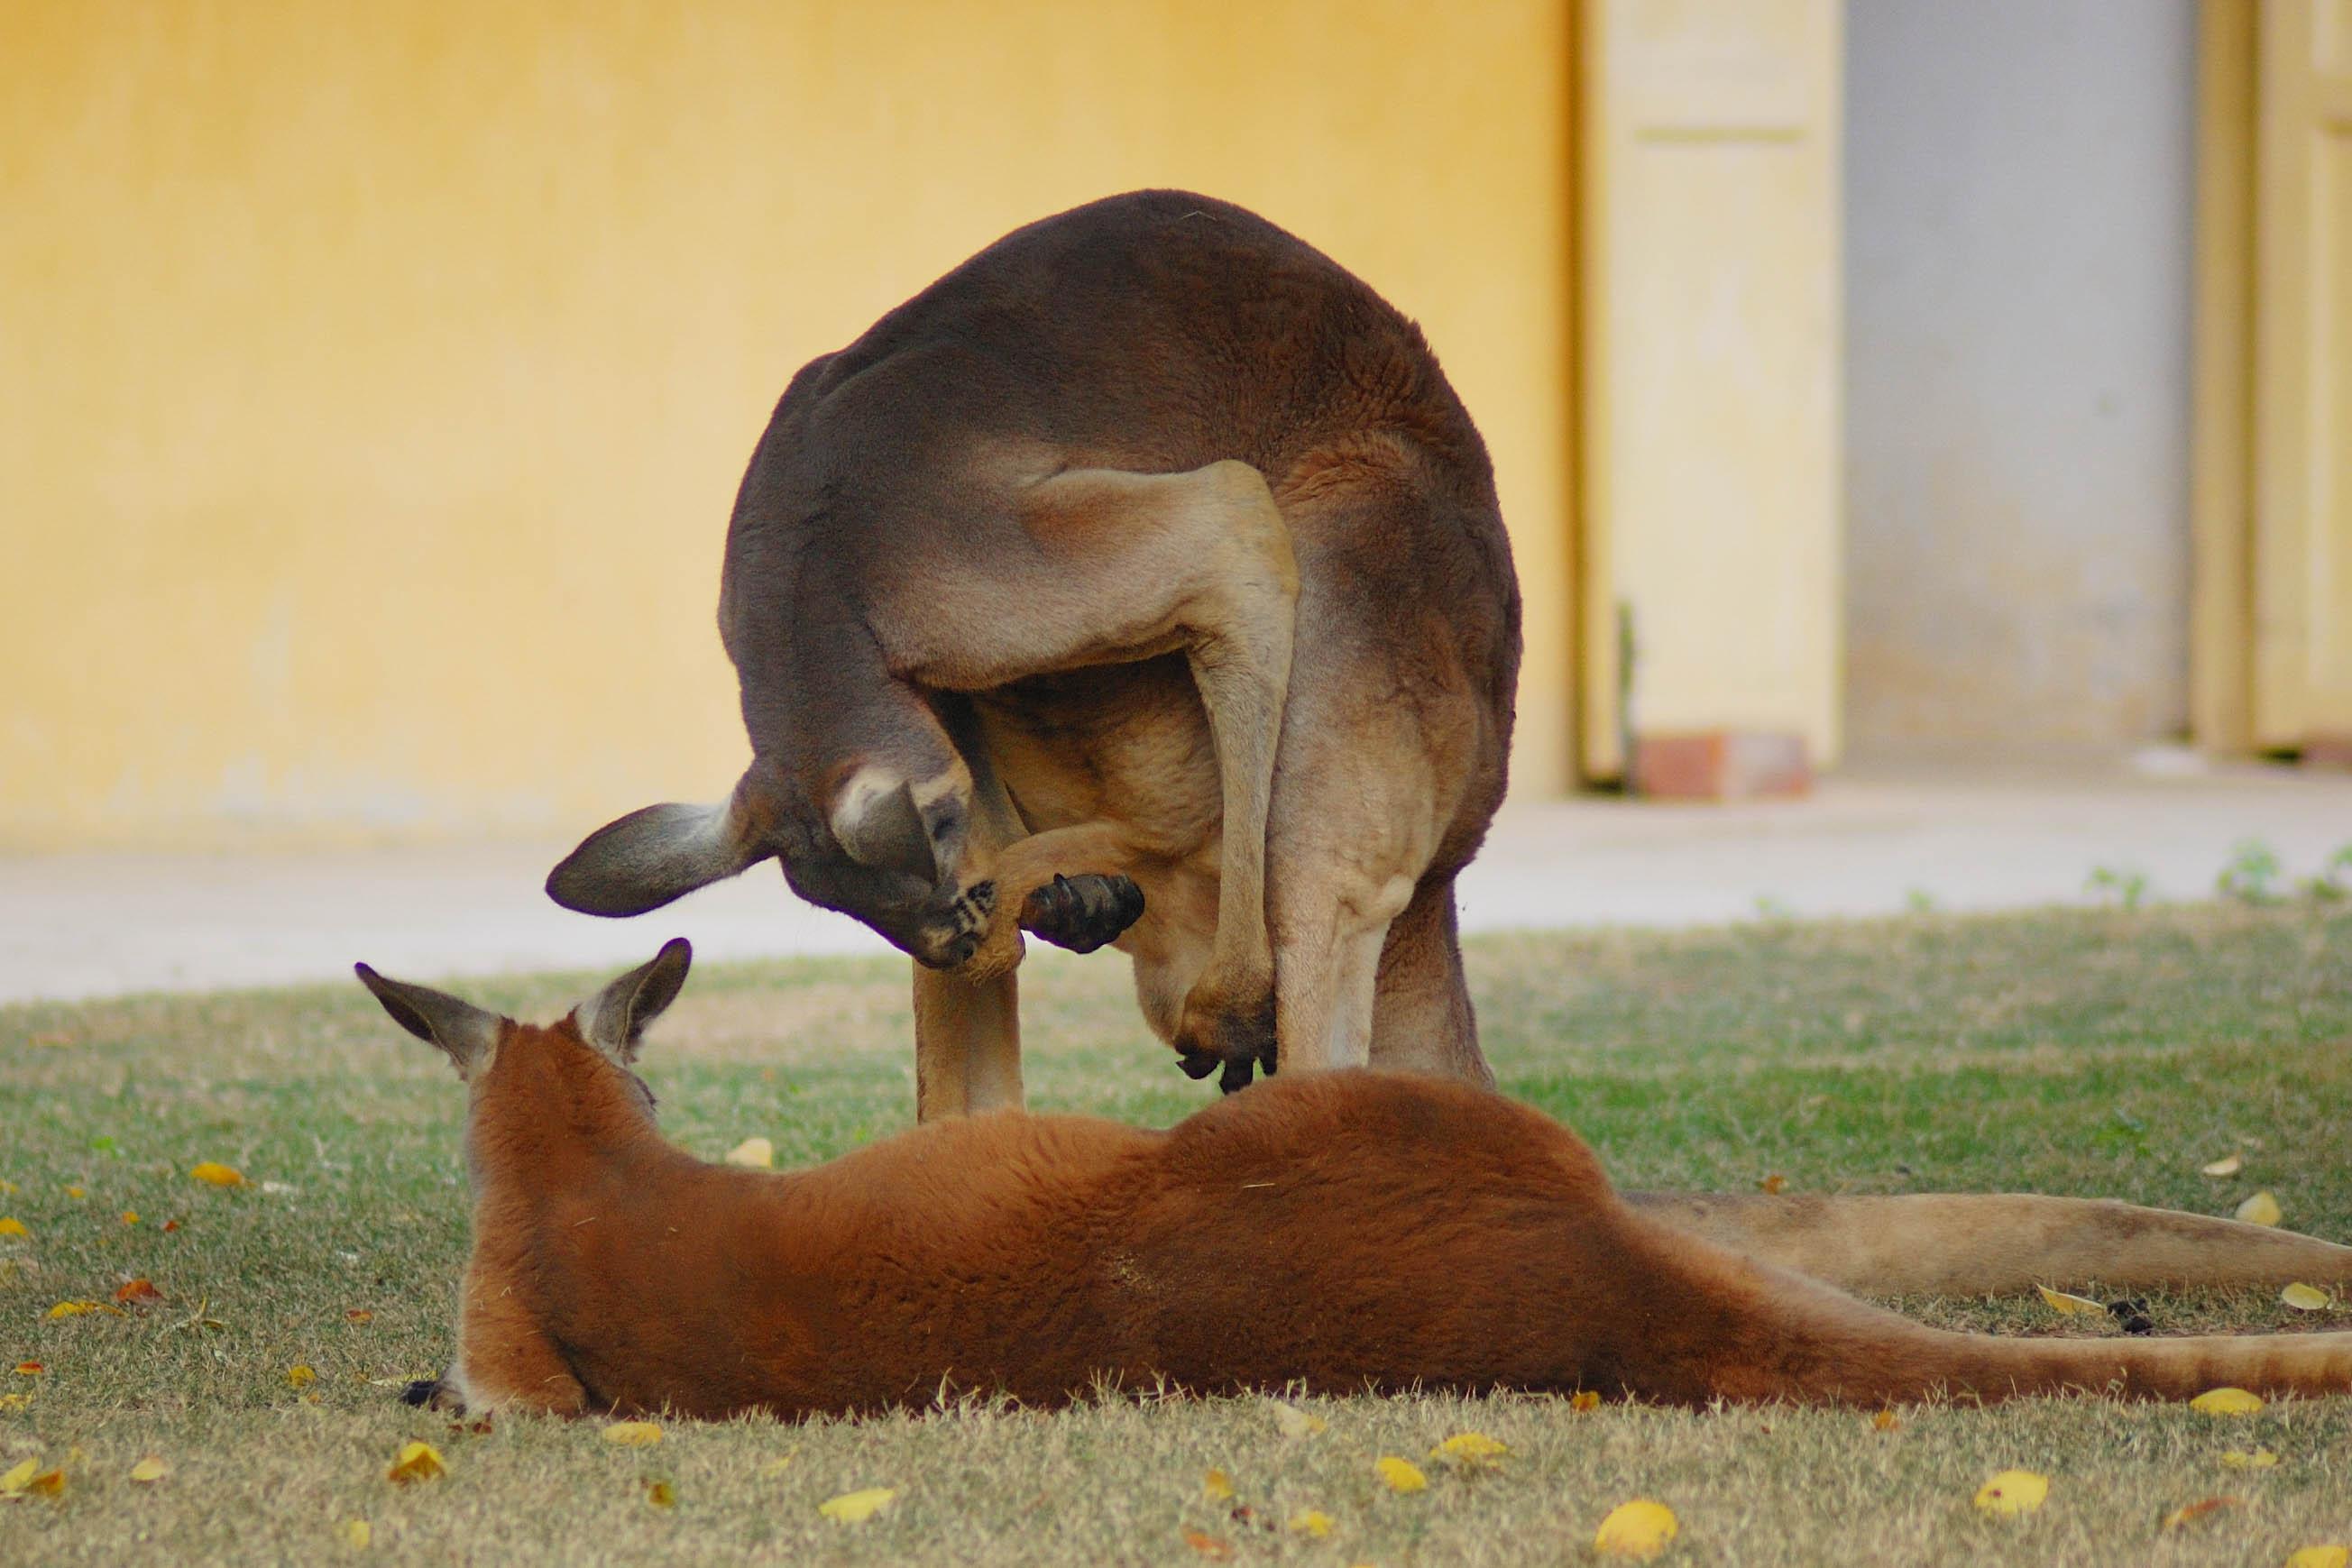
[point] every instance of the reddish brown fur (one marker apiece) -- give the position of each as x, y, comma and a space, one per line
1346, 1231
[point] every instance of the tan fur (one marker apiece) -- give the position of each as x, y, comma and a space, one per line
1346, 1230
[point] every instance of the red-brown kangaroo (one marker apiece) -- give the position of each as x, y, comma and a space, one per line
1343, 1231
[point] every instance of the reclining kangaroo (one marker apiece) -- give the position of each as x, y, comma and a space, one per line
1148, 547
1345, 1230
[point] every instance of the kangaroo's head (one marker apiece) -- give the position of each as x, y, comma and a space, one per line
584, 1062
880, 831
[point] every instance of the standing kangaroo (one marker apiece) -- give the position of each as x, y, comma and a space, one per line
1148, 547
1344, 1231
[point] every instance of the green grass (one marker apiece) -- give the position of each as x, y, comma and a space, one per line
2105, 1054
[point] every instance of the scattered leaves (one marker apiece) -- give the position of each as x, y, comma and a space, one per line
1311, 1521
1293, 1422
356, 1535
300, 1376
661, 1494
2329, 1556
1217, 1487
2013, 1491
1399, 1475
1886, 1421
2305, 1298
2060, 1302
16, 1401
170, 1226
857, 1507
417, 1462
2226, 1402
2203, 1508
213, 1174
130, 1217
28, 1479
71, 1310
1585, 1399
1772, 1183
2239, 1460
2227, 1165
753, 1154
13, 1481
148, 1471
634, 1433
2260, 1209
1209, 1546
11, 1226
1639, 1530
76, 1192
1469, 1448
138, 1292
779, 1465
358, 1316
31, 1369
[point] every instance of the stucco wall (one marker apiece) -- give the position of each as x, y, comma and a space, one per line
2019, 180
374, 379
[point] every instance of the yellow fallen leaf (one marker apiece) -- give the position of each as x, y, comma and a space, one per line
1772, 1183
1886, 1421
29, 1369
2305, 1298
634, 1433
76, 1192
2226, 1402
2238, 1459
356, 1535
1209, 1546
300, 1376
2328, 1556
2060, 1302
2013, 1491
777, 1467
857, 1507
754, 1154
130, 1217
150, 1470
2227, 1165
661, 1494
72, 1309
1469, 1448
11, 1226
16, 1401
13, 1481
2260, 1209
1217, 1487
1639, 1530
417, 1462
2190, 1512
1399, 1475
1311, 1521
215, 1174
1585, 1399
1293, 1422
48, 1483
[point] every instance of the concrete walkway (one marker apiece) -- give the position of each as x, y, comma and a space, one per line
94, 925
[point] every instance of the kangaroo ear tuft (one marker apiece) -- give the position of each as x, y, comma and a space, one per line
615, 1018
465, 1033
879, 825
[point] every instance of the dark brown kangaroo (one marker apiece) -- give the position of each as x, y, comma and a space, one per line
1152, 548
1346, 1230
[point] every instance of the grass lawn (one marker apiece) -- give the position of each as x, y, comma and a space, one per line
2093, 1053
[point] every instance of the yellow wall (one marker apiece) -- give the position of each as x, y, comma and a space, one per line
374, 379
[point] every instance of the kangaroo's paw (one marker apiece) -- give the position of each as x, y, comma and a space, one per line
1082, 913
433, 1393
1236, 1039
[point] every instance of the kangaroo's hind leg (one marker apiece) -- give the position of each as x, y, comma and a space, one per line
1978, 1244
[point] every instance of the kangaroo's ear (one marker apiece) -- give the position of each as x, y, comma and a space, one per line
468, 1034
615, 1018
878, 821
651, 856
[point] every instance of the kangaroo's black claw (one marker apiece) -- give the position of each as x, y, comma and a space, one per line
1198, 1063
1082, 913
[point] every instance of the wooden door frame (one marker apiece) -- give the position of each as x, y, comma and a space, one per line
2221, 451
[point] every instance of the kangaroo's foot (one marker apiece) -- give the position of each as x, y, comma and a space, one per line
1237, 1040
1082, 913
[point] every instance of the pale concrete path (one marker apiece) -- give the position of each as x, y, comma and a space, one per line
81, 926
